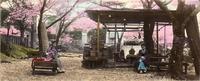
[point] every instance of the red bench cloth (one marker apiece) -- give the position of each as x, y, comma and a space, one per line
41, 59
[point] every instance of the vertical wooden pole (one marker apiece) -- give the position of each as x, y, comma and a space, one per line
115, 42
157, 36
98, 27
165, 46
108, 36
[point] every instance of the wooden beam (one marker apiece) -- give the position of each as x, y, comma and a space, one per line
123, 28
157, 31
105, 27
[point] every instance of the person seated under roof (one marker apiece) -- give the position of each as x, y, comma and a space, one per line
131, 56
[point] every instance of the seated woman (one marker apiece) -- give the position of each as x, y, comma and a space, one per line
52, 55
131, 52
142, 50
131, 57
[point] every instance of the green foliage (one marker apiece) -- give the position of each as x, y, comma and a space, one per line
4, 15
19, 24
16, 51
22, 52
51, 19
76, 35
6, 47
93, 32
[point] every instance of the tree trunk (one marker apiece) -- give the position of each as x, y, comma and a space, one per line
192, 30
59, 31
179, 41
148, 40
33, 36
22, 37
8, 30
43, 38
176, 57
58, 37
22, 33
42, 31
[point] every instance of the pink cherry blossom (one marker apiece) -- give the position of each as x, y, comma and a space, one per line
83, 24
130, 35
52, 30
66, 39
23, 13
166, 38
12, 31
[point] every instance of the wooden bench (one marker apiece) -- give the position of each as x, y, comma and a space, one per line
156, 61
159, 64
41, 64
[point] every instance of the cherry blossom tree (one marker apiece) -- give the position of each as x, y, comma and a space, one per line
43, 39
21, 14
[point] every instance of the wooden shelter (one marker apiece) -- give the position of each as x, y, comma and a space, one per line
137, 17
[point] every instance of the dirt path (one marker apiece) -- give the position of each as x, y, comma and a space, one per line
21, 71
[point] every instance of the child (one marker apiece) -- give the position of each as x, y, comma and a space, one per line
141, 67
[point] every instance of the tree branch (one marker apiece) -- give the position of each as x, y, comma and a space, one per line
195, 12
181, 5
41, 13
69, 23
164, 8
63, 14
166, 3
144, 4
50, 6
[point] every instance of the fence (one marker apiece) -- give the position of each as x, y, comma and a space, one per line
16, 40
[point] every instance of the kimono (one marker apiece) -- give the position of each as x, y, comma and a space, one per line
51, 54
141, 65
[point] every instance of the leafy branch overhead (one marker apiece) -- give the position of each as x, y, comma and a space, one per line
67, 12
163, 6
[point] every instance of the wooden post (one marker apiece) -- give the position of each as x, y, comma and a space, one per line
157, 36
98, 27
165, 47
115, 42
108, 36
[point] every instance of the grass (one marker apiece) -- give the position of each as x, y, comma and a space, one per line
3, 57
22, 52
22, 71
19, 52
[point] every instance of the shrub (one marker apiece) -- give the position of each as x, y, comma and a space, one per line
16, 51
